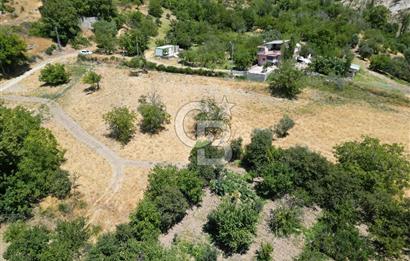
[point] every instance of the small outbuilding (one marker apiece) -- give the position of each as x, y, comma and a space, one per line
354, 69
167, 51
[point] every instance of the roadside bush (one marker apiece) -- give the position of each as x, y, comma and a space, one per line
79, 42
285, 221
154, 114
286, 81
233, 224
121, 122
54, 74
397, 67
264, 253
331, 65
285, 124
237, 150
257, 153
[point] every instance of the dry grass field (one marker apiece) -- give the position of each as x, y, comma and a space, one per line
320, 125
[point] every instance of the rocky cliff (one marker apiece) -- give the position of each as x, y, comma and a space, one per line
394, 5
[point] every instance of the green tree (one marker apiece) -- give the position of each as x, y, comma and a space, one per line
154, 114
378, 16
105, 36
211, 113
134, 42
407, 55
121, 122
54, 74
257, 153
31, 163
155, 9
92, 78
286, 81
12, 49
233, 224
60, 19
365, 51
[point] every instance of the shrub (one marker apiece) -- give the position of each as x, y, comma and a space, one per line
277, 180
264, 253
191, 186
407, 55
206, 160
121, 122
92, 78
172, 206
285, 221
233, 224
51, 49
211, 114
285, 124
233, 184
365, 51
54, 74
331, 65
155, 8
145, 221
286, 81
79, 41
154, 114
236, 147
257, 153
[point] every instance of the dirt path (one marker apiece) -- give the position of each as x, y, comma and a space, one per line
190, 228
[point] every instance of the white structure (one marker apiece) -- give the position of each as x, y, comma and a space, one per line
260, 73
354, 69
167, 51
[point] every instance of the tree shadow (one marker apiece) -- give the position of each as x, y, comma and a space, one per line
16, 71
90, 90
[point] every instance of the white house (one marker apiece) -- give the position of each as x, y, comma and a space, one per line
167, 51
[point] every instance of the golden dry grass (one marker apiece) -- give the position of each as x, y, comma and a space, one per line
319, 126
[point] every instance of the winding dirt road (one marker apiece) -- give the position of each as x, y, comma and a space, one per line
116, 162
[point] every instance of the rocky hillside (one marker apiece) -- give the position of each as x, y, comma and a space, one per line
394, 5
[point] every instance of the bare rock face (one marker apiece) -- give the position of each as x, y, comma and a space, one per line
395, 6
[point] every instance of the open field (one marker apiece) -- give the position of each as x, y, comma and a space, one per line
320, 124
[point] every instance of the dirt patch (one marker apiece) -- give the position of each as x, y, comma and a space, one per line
190, 228
24, 11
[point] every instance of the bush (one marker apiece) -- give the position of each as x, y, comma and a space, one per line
206, 160
257, 153
155, 8
92, 78
277, 180
407, 55
211, 114
154, 114
51, 49
264, 253
233, 184
54, 74
331, 65
121, 122
236, 147
191, 186
286, 81
172, 206
365, 51
285, 221
285, 124
145, 221
79, 41
233, 224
